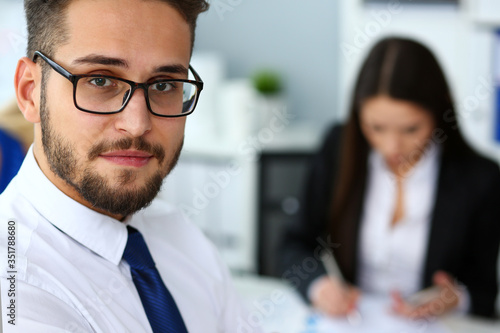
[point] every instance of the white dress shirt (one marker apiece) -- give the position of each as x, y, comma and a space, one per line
392, 257
71, 276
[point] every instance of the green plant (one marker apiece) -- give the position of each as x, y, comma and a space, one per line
267, 82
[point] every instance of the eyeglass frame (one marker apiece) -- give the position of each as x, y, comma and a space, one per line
74, 78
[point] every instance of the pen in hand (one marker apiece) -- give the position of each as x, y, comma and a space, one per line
333, 271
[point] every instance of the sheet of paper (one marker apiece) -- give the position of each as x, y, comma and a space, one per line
375, 318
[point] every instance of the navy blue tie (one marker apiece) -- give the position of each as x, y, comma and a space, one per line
160, 307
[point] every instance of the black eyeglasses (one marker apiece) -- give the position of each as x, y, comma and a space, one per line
104, 94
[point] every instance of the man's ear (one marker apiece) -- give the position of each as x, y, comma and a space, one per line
27, 83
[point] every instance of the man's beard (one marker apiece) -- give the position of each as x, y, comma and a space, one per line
95, 188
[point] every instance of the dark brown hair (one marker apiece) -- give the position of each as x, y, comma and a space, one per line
401, 69
46, 21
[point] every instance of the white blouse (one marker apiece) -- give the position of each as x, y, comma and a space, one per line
392, 257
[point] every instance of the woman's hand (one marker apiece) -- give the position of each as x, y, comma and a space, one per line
333, 297
446, 296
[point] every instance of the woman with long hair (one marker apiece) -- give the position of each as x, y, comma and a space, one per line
399, 197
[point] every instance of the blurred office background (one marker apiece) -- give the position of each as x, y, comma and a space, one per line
246, 152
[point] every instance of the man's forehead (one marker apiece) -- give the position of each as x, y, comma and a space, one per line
147, 31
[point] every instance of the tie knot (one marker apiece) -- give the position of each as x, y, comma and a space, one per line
136, 251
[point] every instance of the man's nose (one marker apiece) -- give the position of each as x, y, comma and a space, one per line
135, 119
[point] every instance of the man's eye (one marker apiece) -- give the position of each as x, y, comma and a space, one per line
163, 86
101, 82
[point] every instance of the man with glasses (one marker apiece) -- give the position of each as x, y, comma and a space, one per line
108, 85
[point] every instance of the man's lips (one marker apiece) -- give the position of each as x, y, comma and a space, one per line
133, 158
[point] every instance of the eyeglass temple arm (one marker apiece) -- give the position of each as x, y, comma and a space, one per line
54, 65
196, 76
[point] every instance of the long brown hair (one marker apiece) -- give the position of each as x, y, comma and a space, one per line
401, 69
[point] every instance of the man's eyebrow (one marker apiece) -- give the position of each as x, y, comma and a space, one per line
173, 69
95, 59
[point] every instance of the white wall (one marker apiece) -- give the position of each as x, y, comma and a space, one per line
295, 37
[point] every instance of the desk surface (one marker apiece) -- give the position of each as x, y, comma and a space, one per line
276, 307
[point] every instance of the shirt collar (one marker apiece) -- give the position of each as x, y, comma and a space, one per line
101, 234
